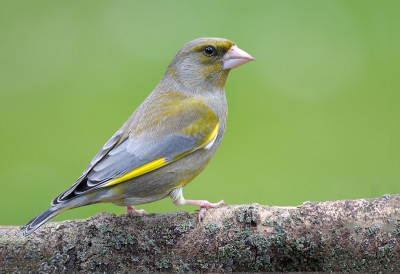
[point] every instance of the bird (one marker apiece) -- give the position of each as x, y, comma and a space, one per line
167, 141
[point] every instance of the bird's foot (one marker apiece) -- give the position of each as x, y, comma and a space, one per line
204, 205
131, 211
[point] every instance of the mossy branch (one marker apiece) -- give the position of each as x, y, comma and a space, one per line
339, 236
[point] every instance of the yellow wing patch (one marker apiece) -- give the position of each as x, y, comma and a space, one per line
138, 171
153, 165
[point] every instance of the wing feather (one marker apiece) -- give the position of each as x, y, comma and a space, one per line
100, 155
184, 129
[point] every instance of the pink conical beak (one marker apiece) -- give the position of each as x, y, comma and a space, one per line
235, 57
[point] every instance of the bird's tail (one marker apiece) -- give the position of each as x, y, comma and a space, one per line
43, 218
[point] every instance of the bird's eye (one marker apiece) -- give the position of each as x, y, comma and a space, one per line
209, 50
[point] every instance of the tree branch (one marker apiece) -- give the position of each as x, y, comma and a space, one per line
342, 236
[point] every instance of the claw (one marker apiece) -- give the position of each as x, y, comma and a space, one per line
200, 215
131, 211
204, 205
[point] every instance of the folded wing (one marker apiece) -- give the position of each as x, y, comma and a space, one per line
172, 132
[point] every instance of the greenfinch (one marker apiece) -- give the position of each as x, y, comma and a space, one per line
166, 142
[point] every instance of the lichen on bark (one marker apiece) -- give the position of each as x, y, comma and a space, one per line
338, 236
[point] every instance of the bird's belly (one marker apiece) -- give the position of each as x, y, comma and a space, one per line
137, 200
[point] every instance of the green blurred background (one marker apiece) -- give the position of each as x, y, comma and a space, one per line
315, 117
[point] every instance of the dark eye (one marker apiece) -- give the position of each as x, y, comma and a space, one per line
209, 50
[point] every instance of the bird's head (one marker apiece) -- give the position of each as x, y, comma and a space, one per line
204, 63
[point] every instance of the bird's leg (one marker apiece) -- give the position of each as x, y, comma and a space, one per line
204, 205
177, 198
131, 211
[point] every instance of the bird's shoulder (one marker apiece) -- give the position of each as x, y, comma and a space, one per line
171, 113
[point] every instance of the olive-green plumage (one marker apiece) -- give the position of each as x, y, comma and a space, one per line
166, 142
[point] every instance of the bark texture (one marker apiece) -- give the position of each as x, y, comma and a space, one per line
339, 236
